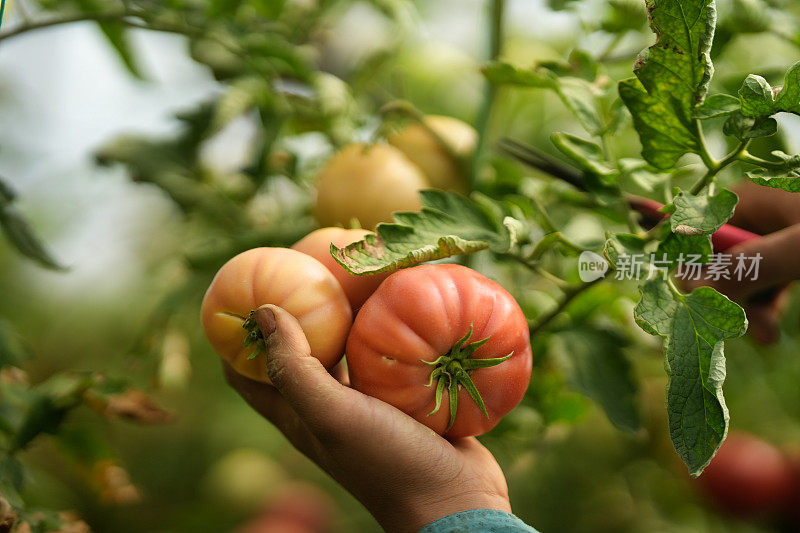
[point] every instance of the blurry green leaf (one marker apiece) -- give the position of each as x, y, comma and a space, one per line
694, 328
577, 94
623, 245
759, 99
624, 15
43, 521
12, 477
579, 64
672, 78
115, 34
597, 367
717, 105
242, 95
20, 234
701, 215
11, 350
586, 155
448, 224
48, 406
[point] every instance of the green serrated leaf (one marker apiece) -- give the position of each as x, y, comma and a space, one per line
672, 78
717, 105
596, 366
448, 224
694, 328
701, 215
760, 99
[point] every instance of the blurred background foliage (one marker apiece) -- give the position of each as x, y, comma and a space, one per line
148, 142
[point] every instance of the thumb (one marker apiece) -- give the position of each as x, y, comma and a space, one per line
300, 378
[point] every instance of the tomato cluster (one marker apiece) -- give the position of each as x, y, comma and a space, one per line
442, 343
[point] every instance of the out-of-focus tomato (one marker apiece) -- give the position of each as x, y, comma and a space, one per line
748, 477
287, 278
317, 244
367, 183
446, 167
436, 327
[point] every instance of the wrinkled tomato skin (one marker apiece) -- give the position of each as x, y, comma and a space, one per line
317, 244
418, 314
287, 278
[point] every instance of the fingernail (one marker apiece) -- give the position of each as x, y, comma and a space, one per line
265, 318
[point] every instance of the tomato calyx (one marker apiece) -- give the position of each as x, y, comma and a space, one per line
452, 371
254, 337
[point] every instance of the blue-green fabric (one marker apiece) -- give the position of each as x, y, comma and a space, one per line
479, 520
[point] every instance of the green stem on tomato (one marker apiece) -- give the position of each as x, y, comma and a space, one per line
497, 7
455, 367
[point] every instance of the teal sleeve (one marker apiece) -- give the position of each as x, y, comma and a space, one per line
479, 520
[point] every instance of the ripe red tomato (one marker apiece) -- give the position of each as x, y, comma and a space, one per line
292, 280
410, 341
748, 477
317, 244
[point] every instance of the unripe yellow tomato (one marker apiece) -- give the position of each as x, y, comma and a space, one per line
289, 279
317, 244
367, 183
445, 168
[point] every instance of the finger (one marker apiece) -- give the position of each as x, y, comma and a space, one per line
316, 396
764, 317
779, 264
765, 210
267, 401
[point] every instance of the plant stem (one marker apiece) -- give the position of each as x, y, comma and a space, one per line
747, 157
116, 16
714, 167
497, 8
569, 295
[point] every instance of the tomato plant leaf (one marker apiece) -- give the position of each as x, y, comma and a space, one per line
717, 105
701, 214
577, 94
20, 234
587, 155
672, 78
676, 248
694, 328
760, 99
781, 175
596, 366
448, 224
743, 127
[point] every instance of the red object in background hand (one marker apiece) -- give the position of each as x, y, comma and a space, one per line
749, 477
725, 238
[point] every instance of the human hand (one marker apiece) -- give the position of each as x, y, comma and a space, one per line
404, 473
775, 214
